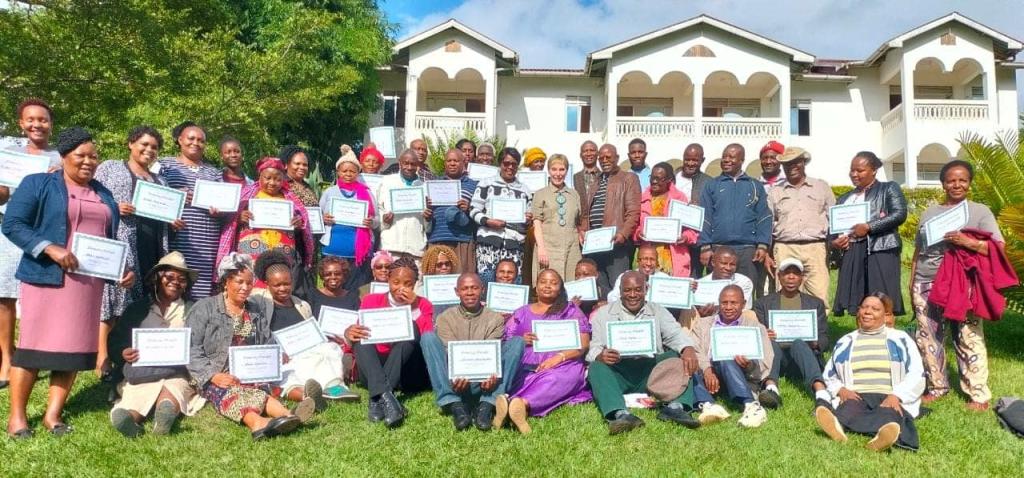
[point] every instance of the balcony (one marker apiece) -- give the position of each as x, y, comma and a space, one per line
655, 127
950, 110
450, 123
742, 128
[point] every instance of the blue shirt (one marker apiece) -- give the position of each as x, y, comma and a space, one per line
644, 175
735, 212
452, 224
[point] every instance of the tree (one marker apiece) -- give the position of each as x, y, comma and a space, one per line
269, 72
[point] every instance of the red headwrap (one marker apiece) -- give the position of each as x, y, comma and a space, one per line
773, 146
370, 151
272, 162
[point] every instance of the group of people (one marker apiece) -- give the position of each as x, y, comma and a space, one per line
234, 284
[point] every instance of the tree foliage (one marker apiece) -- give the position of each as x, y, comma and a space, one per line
269, 72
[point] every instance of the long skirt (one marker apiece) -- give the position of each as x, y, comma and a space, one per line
565, 384
862, 274
236, 401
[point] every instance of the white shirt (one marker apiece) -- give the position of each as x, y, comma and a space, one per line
613, 296
745, 283
684, 184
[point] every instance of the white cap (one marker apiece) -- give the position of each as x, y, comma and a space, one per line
791, 262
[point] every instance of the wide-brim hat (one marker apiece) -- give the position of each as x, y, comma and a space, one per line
668, 380
793, 153
176, 261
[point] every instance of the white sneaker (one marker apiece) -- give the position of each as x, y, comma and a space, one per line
712, 413
753, 415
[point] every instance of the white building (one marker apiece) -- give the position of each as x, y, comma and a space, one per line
706, 81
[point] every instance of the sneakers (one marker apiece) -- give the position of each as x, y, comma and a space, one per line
484, 416
829, 423
769, 399
304, 410
712, 413
312, 389
624, 423
678, 415
341, 393
518, 412
123, 422
460, 416
164, 417
885, 438
500, 411
753, 415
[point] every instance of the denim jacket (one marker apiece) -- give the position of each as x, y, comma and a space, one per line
212, 329
37, 216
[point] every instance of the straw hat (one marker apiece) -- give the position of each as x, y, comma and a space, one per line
175, 260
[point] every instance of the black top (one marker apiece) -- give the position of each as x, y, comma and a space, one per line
285, 316
349, 301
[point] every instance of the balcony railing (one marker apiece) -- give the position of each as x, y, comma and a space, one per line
450, 123
957, 110
741, 128
660, 127
893, 119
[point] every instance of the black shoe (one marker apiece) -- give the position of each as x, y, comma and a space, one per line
769, 399
484, 416
678, 415
460, 416
823, 403
276, 427
394, 413
624, 423
376, 411
123, 422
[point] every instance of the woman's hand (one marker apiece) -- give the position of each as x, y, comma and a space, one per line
551, 362
529, 338
529, 217
127, 280
388, 218
842, 242
244, 217
847, 394
542, 257
893, 402
297, 222
428, 213
495, 224
771, 334
368, 223
63, 257
682, 238
355, 333
125, 208
5, 194
463, 205
177, 225
225, 380
576, 300
328, 220
861, 230
130, 355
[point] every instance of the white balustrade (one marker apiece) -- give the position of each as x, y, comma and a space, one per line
742, 128
956, 110
450, 122
654, 127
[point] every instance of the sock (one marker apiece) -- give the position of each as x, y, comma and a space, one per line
773, 387
824, 395
674, 406
619, 414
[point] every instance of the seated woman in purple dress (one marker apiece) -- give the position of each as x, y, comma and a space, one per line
547, 380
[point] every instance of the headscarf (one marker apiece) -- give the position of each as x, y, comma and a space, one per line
533, 155
379, 256
370, 151
773, 146
72, 138
268, 163
364, 236
232, 262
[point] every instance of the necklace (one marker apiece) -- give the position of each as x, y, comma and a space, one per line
560, 199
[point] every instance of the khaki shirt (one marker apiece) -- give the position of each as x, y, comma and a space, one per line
452, 326
800, 213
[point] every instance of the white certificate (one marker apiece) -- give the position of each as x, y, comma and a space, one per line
255, 363
440, 289
223, 197
391, 324
316, 220
300, 337
510, 210
99, 256
349, 212
162, 347
482, 171
534, 180
379, 288
157, 202
690, 216
672, 292
15, 166
334, 321
631, 337
953, 219
728, 342
444, 192
708, 291
585, 289
599, 240
372, 182
842, 217
474, 360
790, 325
405, 200
661, 229
506, 297
555, 335
271, 214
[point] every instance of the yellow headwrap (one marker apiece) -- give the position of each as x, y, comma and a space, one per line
533, 155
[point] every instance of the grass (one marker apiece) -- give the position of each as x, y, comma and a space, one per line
572, 441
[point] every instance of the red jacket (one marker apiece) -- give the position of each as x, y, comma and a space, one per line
970, 282
425, 322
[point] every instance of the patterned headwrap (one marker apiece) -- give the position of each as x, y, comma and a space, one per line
234, 262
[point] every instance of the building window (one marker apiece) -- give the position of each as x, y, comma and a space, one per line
394, 109
928, 172
800, 118
577, 114
922, 92
732, 108
700, 51
948, 39
895, 96
654, 107
899, 172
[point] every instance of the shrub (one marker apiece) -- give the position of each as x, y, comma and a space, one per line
441, 143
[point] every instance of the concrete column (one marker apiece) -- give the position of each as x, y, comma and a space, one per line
490, 104
611, 107
912, 144
412, 80
698, 109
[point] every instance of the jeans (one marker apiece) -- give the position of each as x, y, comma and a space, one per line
436, 355
732, 382
798, 356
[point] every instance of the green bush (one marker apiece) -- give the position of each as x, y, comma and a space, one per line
440, 144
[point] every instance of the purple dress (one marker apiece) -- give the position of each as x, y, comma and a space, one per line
545, 391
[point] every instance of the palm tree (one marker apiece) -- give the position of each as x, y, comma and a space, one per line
999, 184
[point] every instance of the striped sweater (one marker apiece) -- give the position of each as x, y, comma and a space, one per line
512, 236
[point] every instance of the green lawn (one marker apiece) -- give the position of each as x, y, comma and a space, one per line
571, 441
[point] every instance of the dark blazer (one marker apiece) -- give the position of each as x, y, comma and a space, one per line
698, 184
807, 302
37, 216
888, 212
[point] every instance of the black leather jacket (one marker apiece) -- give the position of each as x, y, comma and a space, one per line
888, 212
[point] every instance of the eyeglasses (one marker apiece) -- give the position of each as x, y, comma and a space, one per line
174, 278
381, 267
444, 264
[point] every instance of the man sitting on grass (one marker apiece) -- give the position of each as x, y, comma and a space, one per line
737, 378
611, 374
470, 320
798, 357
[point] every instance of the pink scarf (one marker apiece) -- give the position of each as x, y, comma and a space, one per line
364, 236
229, 234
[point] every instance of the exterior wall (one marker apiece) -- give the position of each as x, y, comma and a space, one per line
1006, 100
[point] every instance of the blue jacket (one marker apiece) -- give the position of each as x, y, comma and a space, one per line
735, 212
37, 216
452, 224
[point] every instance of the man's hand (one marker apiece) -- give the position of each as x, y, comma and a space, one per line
490, 384
460, 385
178, 225
463, 205
428, 213
130, 355
861, 230
842, 242
388, 218
690, 362
619, 238
495, 223
609, 357
771, 334
760, 254
710, 380
707, 310
741, 361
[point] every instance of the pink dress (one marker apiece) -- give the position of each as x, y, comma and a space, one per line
60, 325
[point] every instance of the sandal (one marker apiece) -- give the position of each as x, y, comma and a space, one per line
60, 429
23, 434
4, 384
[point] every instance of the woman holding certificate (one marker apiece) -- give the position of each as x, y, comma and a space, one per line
350, 235
49, 216
297, 163
198, 240
145, 233
501, 207
548, 377
270, 217
157, 384
656, 201
36, 121
871, 246
239, 385
556, 217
